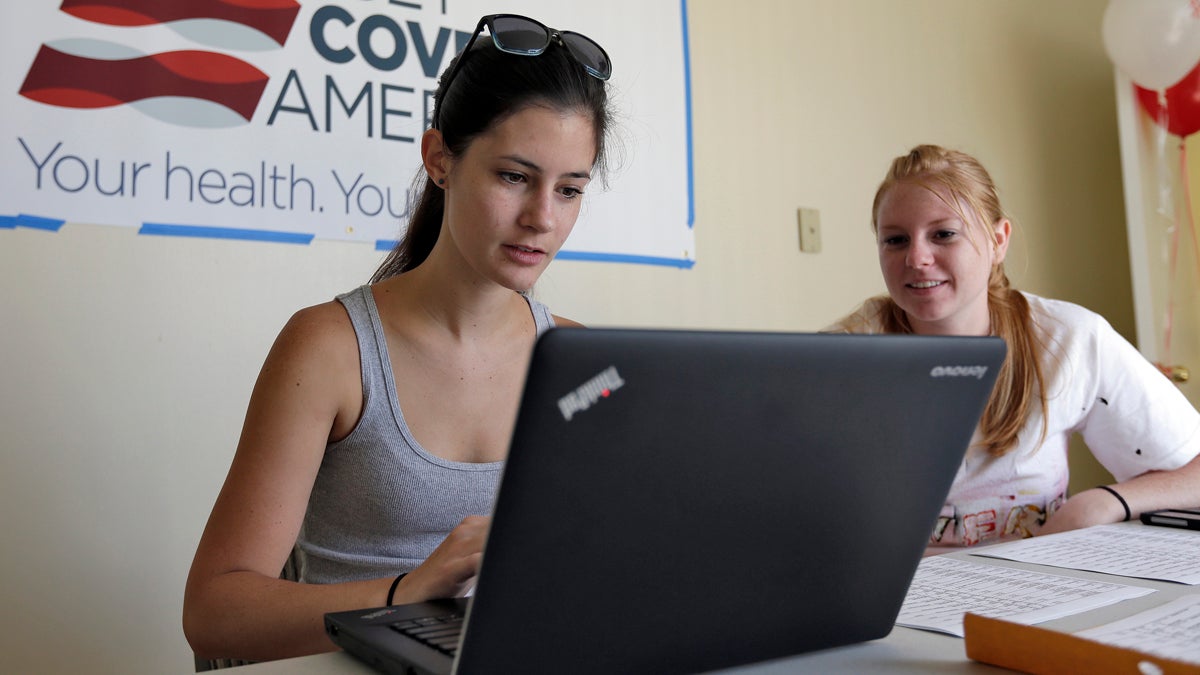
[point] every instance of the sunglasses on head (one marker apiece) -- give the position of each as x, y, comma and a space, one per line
521, 35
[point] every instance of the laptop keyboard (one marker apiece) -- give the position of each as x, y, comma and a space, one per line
439, 632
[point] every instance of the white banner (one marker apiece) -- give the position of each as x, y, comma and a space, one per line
286, 121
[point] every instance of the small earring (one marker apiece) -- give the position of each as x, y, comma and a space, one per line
441, 181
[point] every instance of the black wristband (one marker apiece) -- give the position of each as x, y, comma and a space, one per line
396, 581
1124, 504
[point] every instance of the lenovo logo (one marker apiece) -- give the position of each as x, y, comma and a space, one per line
959, 371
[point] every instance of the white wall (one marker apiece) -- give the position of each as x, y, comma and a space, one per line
126, 361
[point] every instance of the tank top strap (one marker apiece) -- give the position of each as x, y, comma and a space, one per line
372, 345
542, 318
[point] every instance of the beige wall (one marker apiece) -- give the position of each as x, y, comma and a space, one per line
126, 361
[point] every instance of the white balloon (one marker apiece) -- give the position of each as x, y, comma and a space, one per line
1155, 42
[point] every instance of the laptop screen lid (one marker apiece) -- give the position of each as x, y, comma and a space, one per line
684, 501
681, 501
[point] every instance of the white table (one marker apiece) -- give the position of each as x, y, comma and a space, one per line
905, 650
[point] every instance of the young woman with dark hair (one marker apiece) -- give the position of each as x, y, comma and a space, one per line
376, 432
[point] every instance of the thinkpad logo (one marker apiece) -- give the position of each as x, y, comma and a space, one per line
600, 386
959, 371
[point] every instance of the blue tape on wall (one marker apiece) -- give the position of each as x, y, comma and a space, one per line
586, 256
168, 230
681, 263
38, 222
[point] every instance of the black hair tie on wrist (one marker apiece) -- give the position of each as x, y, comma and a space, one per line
1124, 504
396, 581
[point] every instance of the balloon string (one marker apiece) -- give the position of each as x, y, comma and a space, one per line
1165, 202
1187, 198
1189, 221
1172, 264
1168, 320
1168, 208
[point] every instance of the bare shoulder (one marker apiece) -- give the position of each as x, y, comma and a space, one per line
316, 356
322, 331
326, 321
866, 318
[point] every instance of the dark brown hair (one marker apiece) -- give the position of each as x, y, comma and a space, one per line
490, 87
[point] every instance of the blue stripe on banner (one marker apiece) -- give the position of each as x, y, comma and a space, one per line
8, 222
207, 232
38, 222
681, 263
687, 93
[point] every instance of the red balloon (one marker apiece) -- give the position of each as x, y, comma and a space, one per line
1181, 112
1182, 109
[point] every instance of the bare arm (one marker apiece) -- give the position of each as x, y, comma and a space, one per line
1150, 491
309, 392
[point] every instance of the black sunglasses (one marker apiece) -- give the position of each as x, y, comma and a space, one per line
521, 35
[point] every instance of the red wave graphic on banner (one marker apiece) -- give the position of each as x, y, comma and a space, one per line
70, 81
273, 18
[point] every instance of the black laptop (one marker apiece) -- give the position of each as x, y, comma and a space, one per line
685, 501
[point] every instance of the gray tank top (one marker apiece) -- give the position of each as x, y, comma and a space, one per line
381, 503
